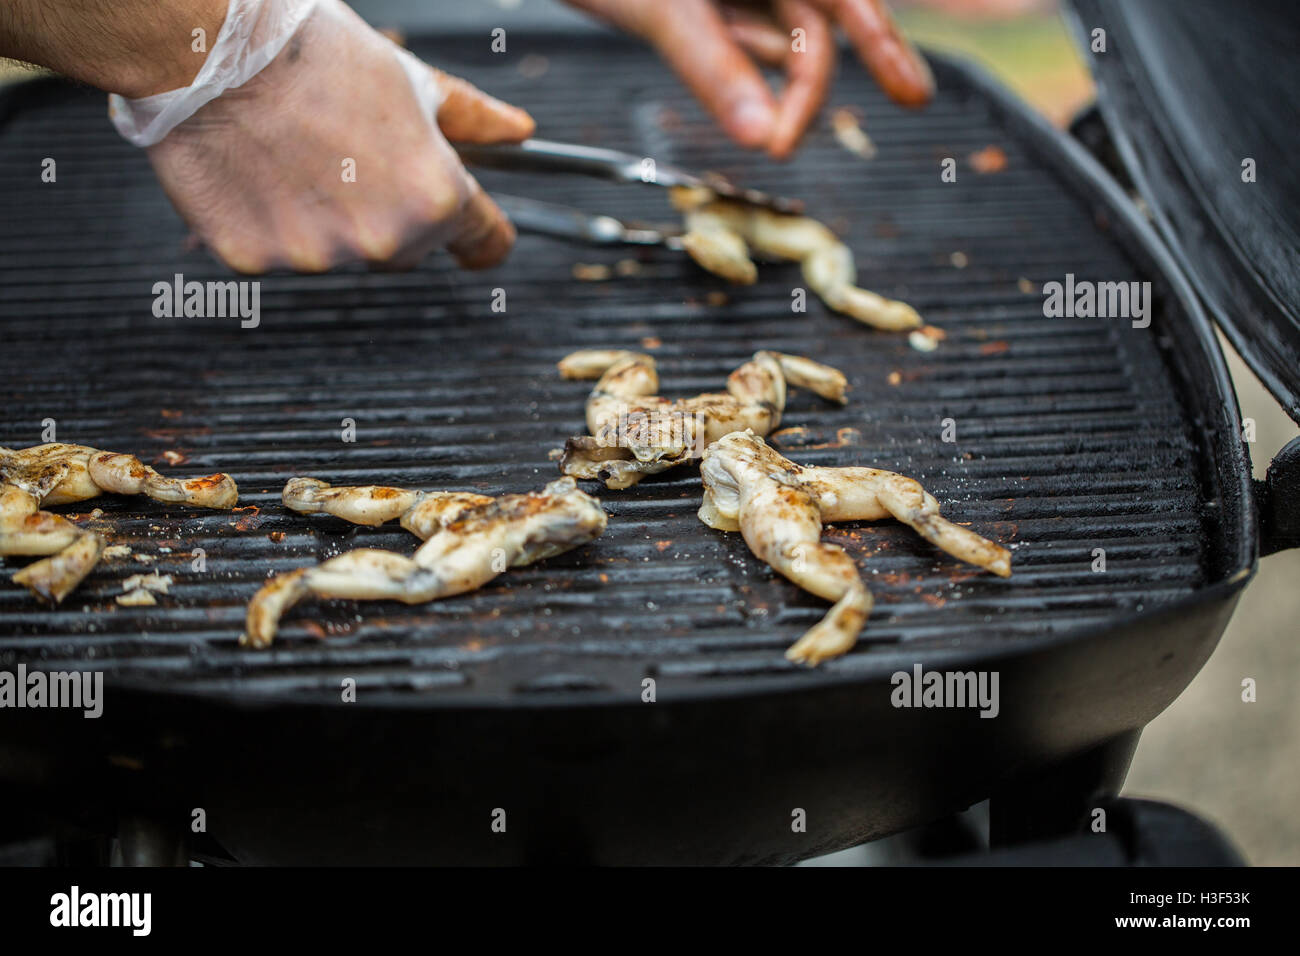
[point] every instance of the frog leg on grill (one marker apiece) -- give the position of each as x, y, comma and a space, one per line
868, 494
128, 475
720, 234
475, 542
830, 273
623, 399
586, 456
778, 506
817, 378
422, 512
643, 434
715, 243
625, 379
58, 473
359, 504
782, 526
762, 383
55, 472
27, 530
439, 509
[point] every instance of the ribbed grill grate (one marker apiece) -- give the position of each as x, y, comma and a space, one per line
1070, 434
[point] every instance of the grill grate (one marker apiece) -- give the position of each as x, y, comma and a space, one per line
1070, 432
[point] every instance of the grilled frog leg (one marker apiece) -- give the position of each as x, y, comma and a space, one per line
720, 234
421, 512
55, 474
469, 540
634, 432
779, 507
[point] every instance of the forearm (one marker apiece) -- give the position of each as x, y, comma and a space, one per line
132, 47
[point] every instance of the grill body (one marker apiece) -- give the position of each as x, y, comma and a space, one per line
527, 695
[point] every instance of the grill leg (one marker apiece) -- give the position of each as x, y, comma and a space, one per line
1060, 799
142, 841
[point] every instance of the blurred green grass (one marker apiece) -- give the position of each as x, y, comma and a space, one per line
1033, 54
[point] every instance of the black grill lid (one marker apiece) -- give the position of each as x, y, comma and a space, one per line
1189, 89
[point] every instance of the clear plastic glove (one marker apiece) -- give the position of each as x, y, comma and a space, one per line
317, 141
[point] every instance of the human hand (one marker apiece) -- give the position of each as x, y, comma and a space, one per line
331, 153
710, 46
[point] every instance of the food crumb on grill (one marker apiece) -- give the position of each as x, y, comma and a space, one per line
990, 159
174, 457
850, 134
591, 271
116, 551
926, 338
139, 589
959, 260
276, 536
716, 298
652, 342
149, 582
143, 558
555, 454
533, 66
627, 267
895, 377
994, 348
1025, 286
663, 545
138, 597
170, 412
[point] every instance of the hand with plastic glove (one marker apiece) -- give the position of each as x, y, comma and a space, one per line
304, 139
330, 152
710, 46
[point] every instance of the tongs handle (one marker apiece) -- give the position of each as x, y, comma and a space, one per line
548, 156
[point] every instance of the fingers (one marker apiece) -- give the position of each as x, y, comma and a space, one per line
698, 45
483, 233
809, 68
890, 57
757, 35
468, 115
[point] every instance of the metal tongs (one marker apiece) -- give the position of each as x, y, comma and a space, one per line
568, 222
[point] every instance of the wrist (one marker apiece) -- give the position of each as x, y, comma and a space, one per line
177, 45
132, 47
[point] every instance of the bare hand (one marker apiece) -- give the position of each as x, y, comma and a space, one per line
710, 46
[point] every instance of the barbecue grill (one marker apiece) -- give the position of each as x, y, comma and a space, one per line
528, 696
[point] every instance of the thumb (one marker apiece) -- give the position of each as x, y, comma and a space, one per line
468, 115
